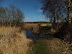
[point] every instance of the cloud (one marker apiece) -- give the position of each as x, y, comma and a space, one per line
43, 17
26, 19
39, 19
39, 10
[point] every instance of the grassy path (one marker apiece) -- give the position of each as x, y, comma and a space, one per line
40, 47
52, 46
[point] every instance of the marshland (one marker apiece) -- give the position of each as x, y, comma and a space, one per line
35, 26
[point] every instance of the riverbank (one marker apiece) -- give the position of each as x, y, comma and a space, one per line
51, 46
13, 41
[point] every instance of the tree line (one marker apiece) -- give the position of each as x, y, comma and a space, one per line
11, 15
57, 10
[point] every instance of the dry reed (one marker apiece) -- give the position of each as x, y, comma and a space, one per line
12, 41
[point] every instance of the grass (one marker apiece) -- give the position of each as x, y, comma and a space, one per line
51, 46
40, 47
12, 41
1, 36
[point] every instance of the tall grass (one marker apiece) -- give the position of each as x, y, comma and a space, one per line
13, 41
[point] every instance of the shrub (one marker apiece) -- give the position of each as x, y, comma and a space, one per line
45, 29
64, 32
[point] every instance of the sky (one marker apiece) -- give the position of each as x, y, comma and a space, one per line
31, 9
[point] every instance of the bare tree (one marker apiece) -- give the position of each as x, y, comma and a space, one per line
2, 15
50, 8
16, 15
11, 15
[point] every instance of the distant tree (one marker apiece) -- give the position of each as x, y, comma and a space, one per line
2, 15
11, 15
16, 15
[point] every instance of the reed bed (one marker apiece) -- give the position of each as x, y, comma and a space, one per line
13, 41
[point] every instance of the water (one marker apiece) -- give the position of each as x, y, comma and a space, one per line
29, 34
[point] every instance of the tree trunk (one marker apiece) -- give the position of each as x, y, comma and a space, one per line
51, 20
69, 5
54, 19
57, 25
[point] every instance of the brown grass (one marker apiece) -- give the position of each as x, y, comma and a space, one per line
29, 25
56, 46
12, 41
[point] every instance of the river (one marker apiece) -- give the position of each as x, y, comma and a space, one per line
29, 34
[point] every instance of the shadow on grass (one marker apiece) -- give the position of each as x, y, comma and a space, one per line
40, 47
49, 46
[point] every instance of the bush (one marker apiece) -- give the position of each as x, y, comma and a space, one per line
65, 32
45, 29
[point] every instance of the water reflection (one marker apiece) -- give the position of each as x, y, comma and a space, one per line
30, 34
